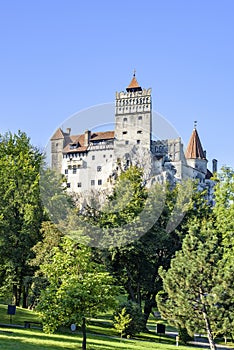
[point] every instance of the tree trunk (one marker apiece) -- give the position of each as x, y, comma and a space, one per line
207, 323
84, 333
149, 303
25, 297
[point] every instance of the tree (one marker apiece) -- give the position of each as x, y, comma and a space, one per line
122, 321
21, 212
224, 223
135, 224
128, 318
189, 298
78, 288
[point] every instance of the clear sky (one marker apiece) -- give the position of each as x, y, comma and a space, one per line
59, 57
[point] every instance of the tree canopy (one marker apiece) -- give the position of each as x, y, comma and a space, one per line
198, 287
21, 212
77, 288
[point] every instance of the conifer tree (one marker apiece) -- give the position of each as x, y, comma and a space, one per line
189, 298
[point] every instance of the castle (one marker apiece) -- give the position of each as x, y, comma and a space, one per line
90, 161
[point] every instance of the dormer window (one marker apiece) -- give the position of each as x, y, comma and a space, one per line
73, 145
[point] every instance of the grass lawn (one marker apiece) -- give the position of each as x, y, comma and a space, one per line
100, 335
29, 339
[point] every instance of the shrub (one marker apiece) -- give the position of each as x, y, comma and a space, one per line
134, 315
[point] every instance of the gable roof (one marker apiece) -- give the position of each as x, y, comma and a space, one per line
79, 140
59, 134
194, 149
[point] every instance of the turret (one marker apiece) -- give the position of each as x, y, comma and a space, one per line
195, 155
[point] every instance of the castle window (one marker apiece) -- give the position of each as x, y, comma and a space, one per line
126, 142
93, 157
139, 131
66, 171
138, 142
74, 171
110, 155
125, 132
99, 168
140, 117
92, 182
125, 119
78, 184
68, 185
104, 156
99, 182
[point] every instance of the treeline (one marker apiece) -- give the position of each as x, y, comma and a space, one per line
69, 260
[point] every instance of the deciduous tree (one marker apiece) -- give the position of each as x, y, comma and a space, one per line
78, 288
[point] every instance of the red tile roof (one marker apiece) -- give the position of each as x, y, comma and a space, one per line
79, 140
194, 149
133, 84
104, 135
59, 134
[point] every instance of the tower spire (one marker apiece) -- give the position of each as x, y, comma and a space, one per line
194, 149
134, 86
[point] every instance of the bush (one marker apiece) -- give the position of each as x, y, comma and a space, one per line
136, 325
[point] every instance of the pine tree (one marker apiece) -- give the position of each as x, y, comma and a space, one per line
189, 298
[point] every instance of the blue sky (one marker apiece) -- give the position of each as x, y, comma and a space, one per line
59, 57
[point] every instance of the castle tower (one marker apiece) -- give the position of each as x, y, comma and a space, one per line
57, 144
133, 117
195, 155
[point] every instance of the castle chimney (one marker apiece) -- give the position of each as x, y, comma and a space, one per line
87, 135
68, 131
215, 167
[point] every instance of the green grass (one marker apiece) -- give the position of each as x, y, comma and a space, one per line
100, 335
20, 316
28, 339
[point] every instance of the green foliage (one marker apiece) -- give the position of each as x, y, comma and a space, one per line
77, 287
122, 322
132, 318
190, 298
21, 212
136, 231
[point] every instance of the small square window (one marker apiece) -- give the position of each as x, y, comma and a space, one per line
99, 182
140, 117
126, 142
99, 168
92, 182
138, 142
79, 184
125, 119
68, 185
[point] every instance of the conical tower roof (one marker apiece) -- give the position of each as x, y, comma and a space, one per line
134, 86
194, 149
